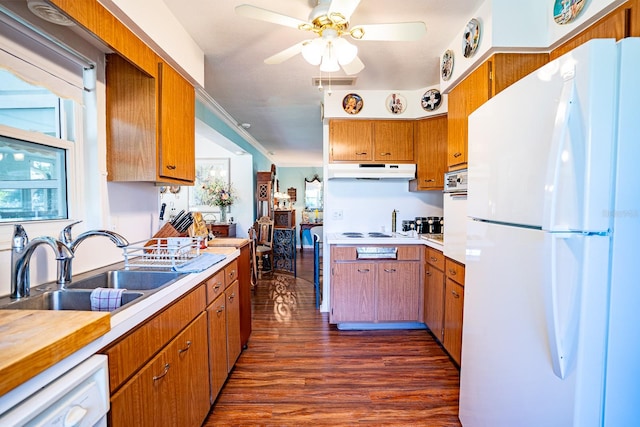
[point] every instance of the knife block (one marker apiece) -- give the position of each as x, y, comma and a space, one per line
166, 230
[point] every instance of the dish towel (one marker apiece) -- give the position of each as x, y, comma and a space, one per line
104, 299
199, 263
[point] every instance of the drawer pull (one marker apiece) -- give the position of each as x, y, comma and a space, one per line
362, 153
166, 369
428, 273
217, 286
452, 272
455, 294
430, 180
456, 155
363, 270
232, 297
433, 259
182, 350
390, 270
220, 310
171, 167
385, 154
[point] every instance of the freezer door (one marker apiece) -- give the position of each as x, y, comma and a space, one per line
540, 151
534, 328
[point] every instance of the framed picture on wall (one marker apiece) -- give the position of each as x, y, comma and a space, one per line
207, 170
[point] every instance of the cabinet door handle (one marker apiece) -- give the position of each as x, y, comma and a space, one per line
361, 153
220, 310
166, 369
385, 154
363, 270
456, 155
390, 270
455, 294
171, 167
428, 273
217, 286
452, 272
433, 259
232, 296
430, 180
182, 350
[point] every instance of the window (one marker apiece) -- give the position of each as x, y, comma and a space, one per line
41, 117
32, 181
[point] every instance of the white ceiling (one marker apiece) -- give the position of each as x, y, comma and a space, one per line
279, 101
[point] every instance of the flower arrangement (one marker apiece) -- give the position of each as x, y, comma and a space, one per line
218, 193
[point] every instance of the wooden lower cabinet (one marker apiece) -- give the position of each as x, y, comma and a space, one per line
218, 367
170, 389
353, 292
398, 292
234, 346
453, 308
434, 294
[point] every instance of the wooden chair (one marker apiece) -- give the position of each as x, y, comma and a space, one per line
264, 243
252, 251
316, 232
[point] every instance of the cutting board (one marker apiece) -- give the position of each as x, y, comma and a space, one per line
32, 341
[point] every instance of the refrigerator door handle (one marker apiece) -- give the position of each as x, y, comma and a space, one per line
565, 165
563, 296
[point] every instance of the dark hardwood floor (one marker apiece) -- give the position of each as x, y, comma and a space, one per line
299, 370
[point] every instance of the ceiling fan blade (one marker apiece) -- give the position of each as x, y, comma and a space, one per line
342, 7
282, 56
260, 14
353, 67
402, 31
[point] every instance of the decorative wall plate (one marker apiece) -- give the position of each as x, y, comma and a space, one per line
471, 38
352, 103
396, 103
431, 100
566, 11
447, 65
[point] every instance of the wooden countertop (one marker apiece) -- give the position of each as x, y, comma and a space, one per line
222, 250
228, 241
32, 341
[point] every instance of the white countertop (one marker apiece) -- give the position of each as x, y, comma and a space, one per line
395, 239
121, 323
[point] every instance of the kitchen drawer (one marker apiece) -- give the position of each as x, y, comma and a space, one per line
454, 271
435, 258
231, 272
215, 286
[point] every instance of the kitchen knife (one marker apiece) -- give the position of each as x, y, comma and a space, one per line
162, 208
180, 225
176, 219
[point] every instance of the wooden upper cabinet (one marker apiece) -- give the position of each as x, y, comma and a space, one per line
393, 141
493, 76
150, 124
369, 141
430, 144
176, 126
350, 140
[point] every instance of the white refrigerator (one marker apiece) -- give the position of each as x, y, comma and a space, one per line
551, 332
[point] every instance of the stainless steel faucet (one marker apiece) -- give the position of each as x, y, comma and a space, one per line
66, 238
21, 251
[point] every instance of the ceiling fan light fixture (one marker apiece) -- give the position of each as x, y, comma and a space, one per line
345, 51
357, 33
329, 59
312, 51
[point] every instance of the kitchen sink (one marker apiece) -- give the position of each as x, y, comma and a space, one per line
73, 299
133, 280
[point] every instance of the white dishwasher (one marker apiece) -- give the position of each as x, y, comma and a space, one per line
79, 398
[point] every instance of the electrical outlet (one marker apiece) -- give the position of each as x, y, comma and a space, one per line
337, 215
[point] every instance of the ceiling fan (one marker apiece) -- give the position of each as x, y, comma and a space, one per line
329, 20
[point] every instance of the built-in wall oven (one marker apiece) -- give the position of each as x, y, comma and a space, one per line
455, 212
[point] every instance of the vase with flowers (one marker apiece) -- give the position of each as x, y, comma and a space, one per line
218, 193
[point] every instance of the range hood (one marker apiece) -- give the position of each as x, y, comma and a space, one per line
371, 171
